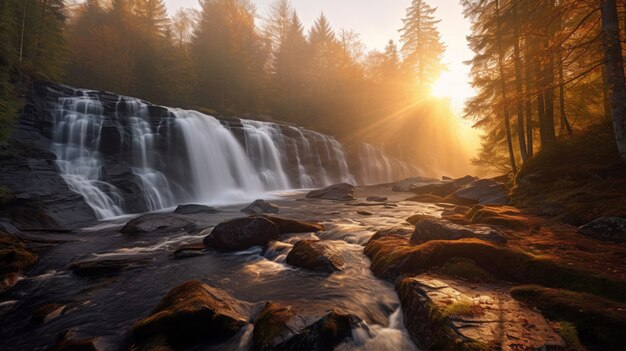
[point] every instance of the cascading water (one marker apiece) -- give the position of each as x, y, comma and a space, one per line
76, 138
177, 156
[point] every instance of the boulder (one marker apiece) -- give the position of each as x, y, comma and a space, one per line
428, 229
338, 192
404, 184
365, 213
606, 228
195, 209
442, 188
242, 233
484, 191
104, 268
315, 256
377, 199
260, 206
190, 314
283, 327
399, 231
157, 222
446, 314
289, 226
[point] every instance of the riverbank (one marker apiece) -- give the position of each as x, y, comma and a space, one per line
383, 271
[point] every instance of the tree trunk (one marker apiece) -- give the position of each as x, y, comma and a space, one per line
519, 86
507, 117
528, 98
565, 126
614, 70
548, 135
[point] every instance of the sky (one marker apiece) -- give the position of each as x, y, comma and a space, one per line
377, 21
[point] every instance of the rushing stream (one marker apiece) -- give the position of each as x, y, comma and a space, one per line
107, 307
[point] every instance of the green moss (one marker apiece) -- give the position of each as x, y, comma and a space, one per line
577, 181
462, 309
393, 256
600, 322
466, 269
570, 335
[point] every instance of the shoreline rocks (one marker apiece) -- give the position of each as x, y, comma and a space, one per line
154, 222
337, 192
315, 256
190, 314
427, 229
260, 206
242, 233
195, 209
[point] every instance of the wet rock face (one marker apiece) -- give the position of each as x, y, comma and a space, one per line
260, 206
190, 314
338, 192
606, 228
156, 222
195, 209
282, 327
242, 233
445, 314
427, 229
316, 256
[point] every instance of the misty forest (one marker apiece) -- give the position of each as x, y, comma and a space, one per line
312, 175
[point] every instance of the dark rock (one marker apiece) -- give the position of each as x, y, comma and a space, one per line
102, 268
14, 255
404, 184
484, 191
400, 231
260, 206
377, 199
190, 314
365, 213
428, 229
47, 312
338, 192
68, 341
289, 226
187, 251
606, 228
195, 209
450, 315
442, 188
281, 327
316, 256
156, 222
242, 233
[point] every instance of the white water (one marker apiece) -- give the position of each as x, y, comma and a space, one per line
77, 126
208, 163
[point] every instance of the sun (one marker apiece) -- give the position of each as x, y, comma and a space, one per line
441, 88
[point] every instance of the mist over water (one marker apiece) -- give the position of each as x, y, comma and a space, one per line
188, 156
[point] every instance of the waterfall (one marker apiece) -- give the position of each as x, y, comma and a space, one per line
76, 138
124, 155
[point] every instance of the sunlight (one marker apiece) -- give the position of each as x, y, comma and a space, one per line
440, 88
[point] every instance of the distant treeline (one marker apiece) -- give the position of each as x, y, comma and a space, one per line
229, 59
544, 69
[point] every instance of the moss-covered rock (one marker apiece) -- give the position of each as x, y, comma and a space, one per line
444, 314
600, 322
393, 256
192, 313
283, 327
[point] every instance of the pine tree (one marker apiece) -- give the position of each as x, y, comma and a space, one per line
422, 48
